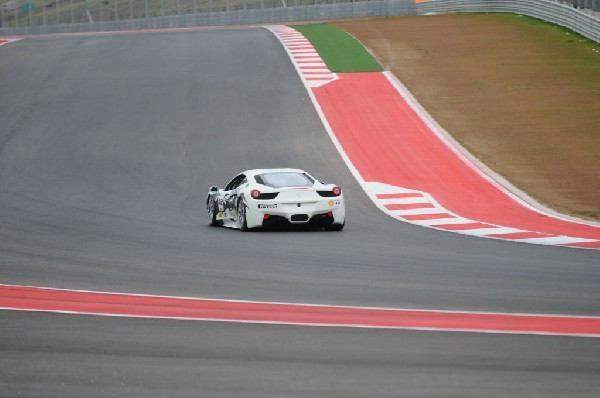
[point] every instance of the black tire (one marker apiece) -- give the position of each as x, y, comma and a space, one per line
212, 210
335, 227
241, 216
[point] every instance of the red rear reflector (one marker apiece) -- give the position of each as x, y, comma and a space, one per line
330, 214
266, 217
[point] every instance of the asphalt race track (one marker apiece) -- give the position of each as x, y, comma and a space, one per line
108, 145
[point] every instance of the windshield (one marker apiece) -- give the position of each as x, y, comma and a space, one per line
287, 179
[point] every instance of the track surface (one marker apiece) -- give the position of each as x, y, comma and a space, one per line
107, 148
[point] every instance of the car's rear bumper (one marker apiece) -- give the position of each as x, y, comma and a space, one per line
320, 212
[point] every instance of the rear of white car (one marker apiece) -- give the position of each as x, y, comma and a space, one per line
318, 205
263, 197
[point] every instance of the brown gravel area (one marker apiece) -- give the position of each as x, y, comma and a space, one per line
523, 97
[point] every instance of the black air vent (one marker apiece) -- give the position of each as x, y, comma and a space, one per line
326, 194
266, 196
300, 217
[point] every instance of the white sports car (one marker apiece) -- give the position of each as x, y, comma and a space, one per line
262, 197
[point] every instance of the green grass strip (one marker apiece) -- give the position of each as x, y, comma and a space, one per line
340, 51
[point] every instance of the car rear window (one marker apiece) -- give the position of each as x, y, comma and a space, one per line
286, 179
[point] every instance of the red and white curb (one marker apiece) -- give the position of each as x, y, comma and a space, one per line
6, 41
306, 59
420, 208
405, 204
81, 302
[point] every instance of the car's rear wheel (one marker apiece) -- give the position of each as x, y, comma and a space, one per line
241, 216
212, 211
335, 227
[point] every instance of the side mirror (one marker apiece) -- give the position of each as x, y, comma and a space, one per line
214, 189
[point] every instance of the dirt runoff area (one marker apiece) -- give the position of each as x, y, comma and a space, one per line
522, 96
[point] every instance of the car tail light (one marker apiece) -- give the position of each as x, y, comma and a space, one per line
337, 191
255, 193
